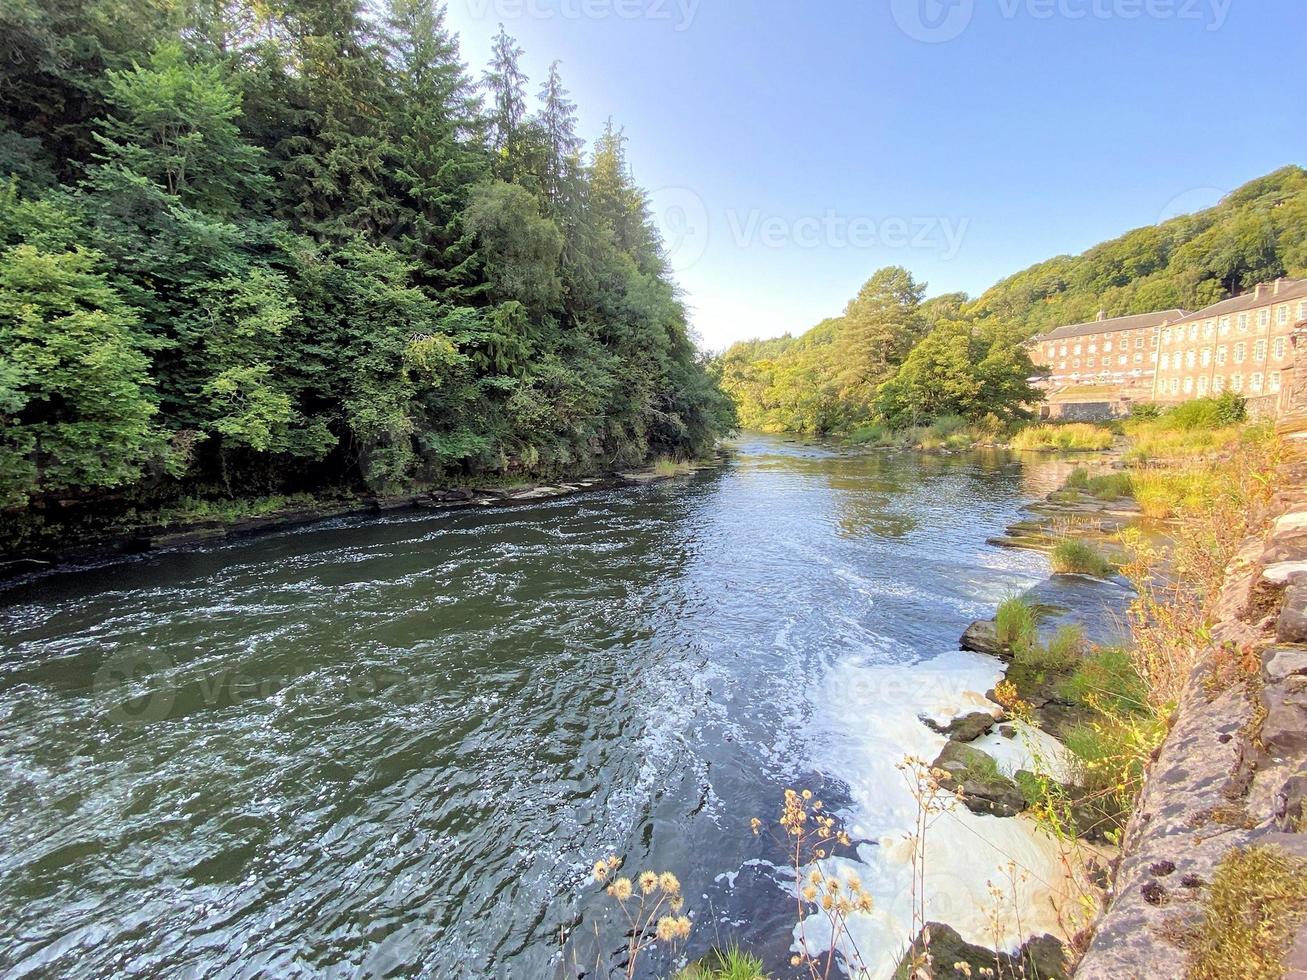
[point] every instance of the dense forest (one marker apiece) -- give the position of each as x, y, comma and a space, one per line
900, 359
295, 245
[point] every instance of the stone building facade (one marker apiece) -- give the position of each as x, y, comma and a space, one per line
1243, 344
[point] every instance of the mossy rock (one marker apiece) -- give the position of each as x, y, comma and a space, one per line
975, 776
1043, 957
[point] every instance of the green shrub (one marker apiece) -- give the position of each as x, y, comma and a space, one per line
1228, 408
1015, 623
874, 434
1074, 557
1107, 681
1257, 901
1107, 757
1145, 411
1078, 479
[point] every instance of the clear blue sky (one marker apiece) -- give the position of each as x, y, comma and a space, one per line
779, 137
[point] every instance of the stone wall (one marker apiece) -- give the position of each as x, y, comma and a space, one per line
1233, 769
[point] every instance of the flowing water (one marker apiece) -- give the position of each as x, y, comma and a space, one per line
395, 746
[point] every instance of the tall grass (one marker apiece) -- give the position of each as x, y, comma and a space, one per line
1074, 557
1071, 437
1015, 624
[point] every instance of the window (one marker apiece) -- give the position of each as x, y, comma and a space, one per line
1050, 350
1193, 330
1164, 361
1284, 315
1302, 310
1278, 348
1275, 381
1175, 386
1089, 362
1239, 351
1075, 349
1188, 385
1206, 356
1075, 362
1189, 358
1209, 328
1218, 383
1225, 325
1139, 340
1220, 355
1202, 385
1236, 382
1166, 335
1259, 350
1263, 318
1107, 347
1256, 382
1243, 322
1139, 358
1122, 359
1093, 348
1063, 351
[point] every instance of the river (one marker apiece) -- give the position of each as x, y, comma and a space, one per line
394, 746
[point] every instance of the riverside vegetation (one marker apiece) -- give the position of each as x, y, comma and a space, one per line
896, 365
249, 251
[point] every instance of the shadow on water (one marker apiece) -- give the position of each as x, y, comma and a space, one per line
396, 746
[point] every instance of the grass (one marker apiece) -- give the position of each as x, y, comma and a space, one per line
1015, 624
1110, 486
1258, 898
1162, 494
1078, 479
189, 510
1070, 437
1061, 653
729, 964
670, 467
1074, 557
1107, 681
1108, 756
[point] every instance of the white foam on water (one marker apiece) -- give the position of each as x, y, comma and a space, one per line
865, 722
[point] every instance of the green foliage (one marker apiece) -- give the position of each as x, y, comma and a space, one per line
1256, 902
75, 398
1074, 557
1228, 408
1078, 479
284, 249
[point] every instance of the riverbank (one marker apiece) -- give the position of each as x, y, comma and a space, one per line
1183, 740
210, 522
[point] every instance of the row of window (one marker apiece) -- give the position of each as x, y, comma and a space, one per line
1257, 382
1053, 350
1224, 324
1279, 347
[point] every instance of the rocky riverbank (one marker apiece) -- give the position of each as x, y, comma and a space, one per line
1230, 774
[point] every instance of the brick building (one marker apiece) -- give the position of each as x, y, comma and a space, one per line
1243, 344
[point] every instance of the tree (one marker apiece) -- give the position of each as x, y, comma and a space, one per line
505, 82
879, 328
75, 399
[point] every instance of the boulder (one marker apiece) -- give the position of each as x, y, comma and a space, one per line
1044, 957
964, 728
1291, 627
982, 637
974, 775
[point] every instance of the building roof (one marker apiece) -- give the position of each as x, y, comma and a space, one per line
1264, 295
1112, 325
